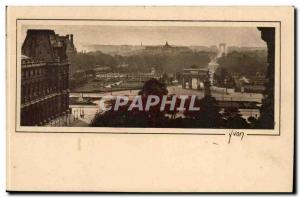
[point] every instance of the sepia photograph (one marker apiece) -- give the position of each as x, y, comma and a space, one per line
160, 75
150, 99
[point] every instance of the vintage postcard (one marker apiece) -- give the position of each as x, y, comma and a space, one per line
150, 99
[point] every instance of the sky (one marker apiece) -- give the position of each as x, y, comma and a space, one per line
156, 35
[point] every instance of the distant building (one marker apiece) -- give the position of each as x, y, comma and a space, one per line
252, 84
45, 77
253, 88
258, 79
167, 45
122, 65
167, 48
70, 47
194, 78
257, 84
222, 49
102, 69
141, 77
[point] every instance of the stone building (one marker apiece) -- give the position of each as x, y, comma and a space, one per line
70, 47
45, 77
194, 78
222, 50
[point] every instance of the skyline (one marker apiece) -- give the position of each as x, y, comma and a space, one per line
155, 35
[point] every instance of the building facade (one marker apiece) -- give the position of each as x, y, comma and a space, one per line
194, 78
45, 78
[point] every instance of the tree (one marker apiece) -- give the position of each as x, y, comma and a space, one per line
247, 63
253, 122
224, 78
234, 119
154, 87
208, 116
120, 118
135, 117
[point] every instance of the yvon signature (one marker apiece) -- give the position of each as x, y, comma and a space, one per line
234, 133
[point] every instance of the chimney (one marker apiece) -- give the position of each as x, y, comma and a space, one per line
71, 38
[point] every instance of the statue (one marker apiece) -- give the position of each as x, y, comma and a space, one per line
207, 85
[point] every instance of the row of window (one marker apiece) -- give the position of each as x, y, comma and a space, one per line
38, 89
27, 73
38, 113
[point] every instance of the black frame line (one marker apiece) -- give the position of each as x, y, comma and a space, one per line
127, 133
